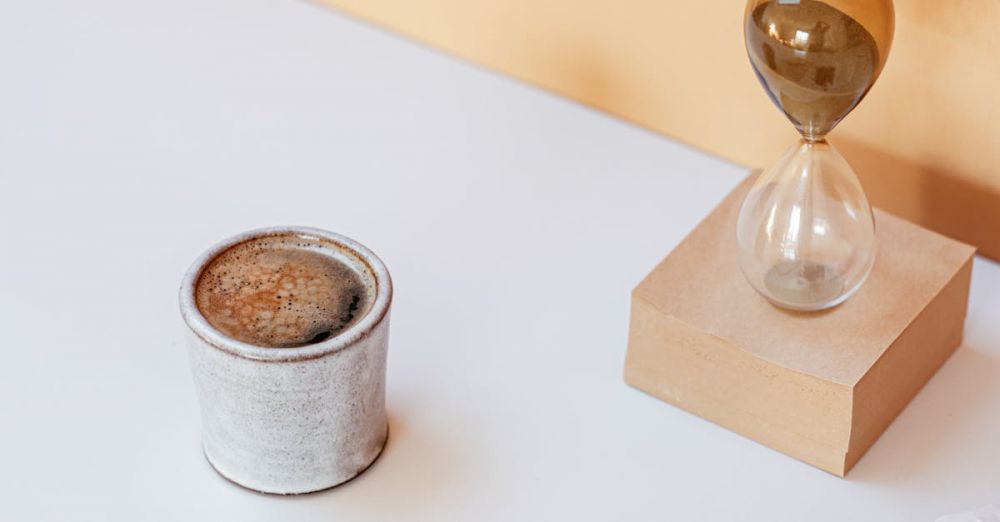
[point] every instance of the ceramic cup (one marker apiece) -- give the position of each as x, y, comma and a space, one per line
292, 420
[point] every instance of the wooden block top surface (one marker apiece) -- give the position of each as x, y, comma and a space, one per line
700, 283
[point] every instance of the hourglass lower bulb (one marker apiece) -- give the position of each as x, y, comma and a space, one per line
805, 230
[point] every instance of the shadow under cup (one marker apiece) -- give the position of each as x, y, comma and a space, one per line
297, 419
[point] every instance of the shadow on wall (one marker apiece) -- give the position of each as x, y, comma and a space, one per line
930, 196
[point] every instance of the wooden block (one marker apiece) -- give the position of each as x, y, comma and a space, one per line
820, 387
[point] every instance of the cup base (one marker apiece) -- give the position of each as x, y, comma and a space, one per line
360, 472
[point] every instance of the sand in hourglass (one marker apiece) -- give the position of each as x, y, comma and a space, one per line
803, 282
815, 62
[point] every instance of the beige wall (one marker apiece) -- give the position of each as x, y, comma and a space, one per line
926, 140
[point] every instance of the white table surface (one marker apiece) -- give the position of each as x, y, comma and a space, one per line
135, 134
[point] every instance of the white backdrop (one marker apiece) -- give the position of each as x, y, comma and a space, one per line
135, 134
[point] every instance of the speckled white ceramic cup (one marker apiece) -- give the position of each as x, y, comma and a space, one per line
292, 420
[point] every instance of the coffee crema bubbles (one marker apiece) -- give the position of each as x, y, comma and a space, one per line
284, 291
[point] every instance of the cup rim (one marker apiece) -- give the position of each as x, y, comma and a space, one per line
200, 326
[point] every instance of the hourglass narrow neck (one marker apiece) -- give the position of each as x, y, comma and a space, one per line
810, 139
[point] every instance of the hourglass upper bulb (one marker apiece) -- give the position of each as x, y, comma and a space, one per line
818, 58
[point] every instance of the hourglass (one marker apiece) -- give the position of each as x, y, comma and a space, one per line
805, 230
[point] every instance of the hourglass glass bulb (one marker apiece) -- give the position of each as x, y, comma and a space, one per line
805, 230
817, 59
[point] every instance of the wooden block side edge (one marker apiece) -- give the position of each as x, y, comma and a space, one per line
911, 360
741, 382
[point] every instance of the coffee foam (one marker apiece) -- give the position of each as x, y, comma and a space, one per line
284, 291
